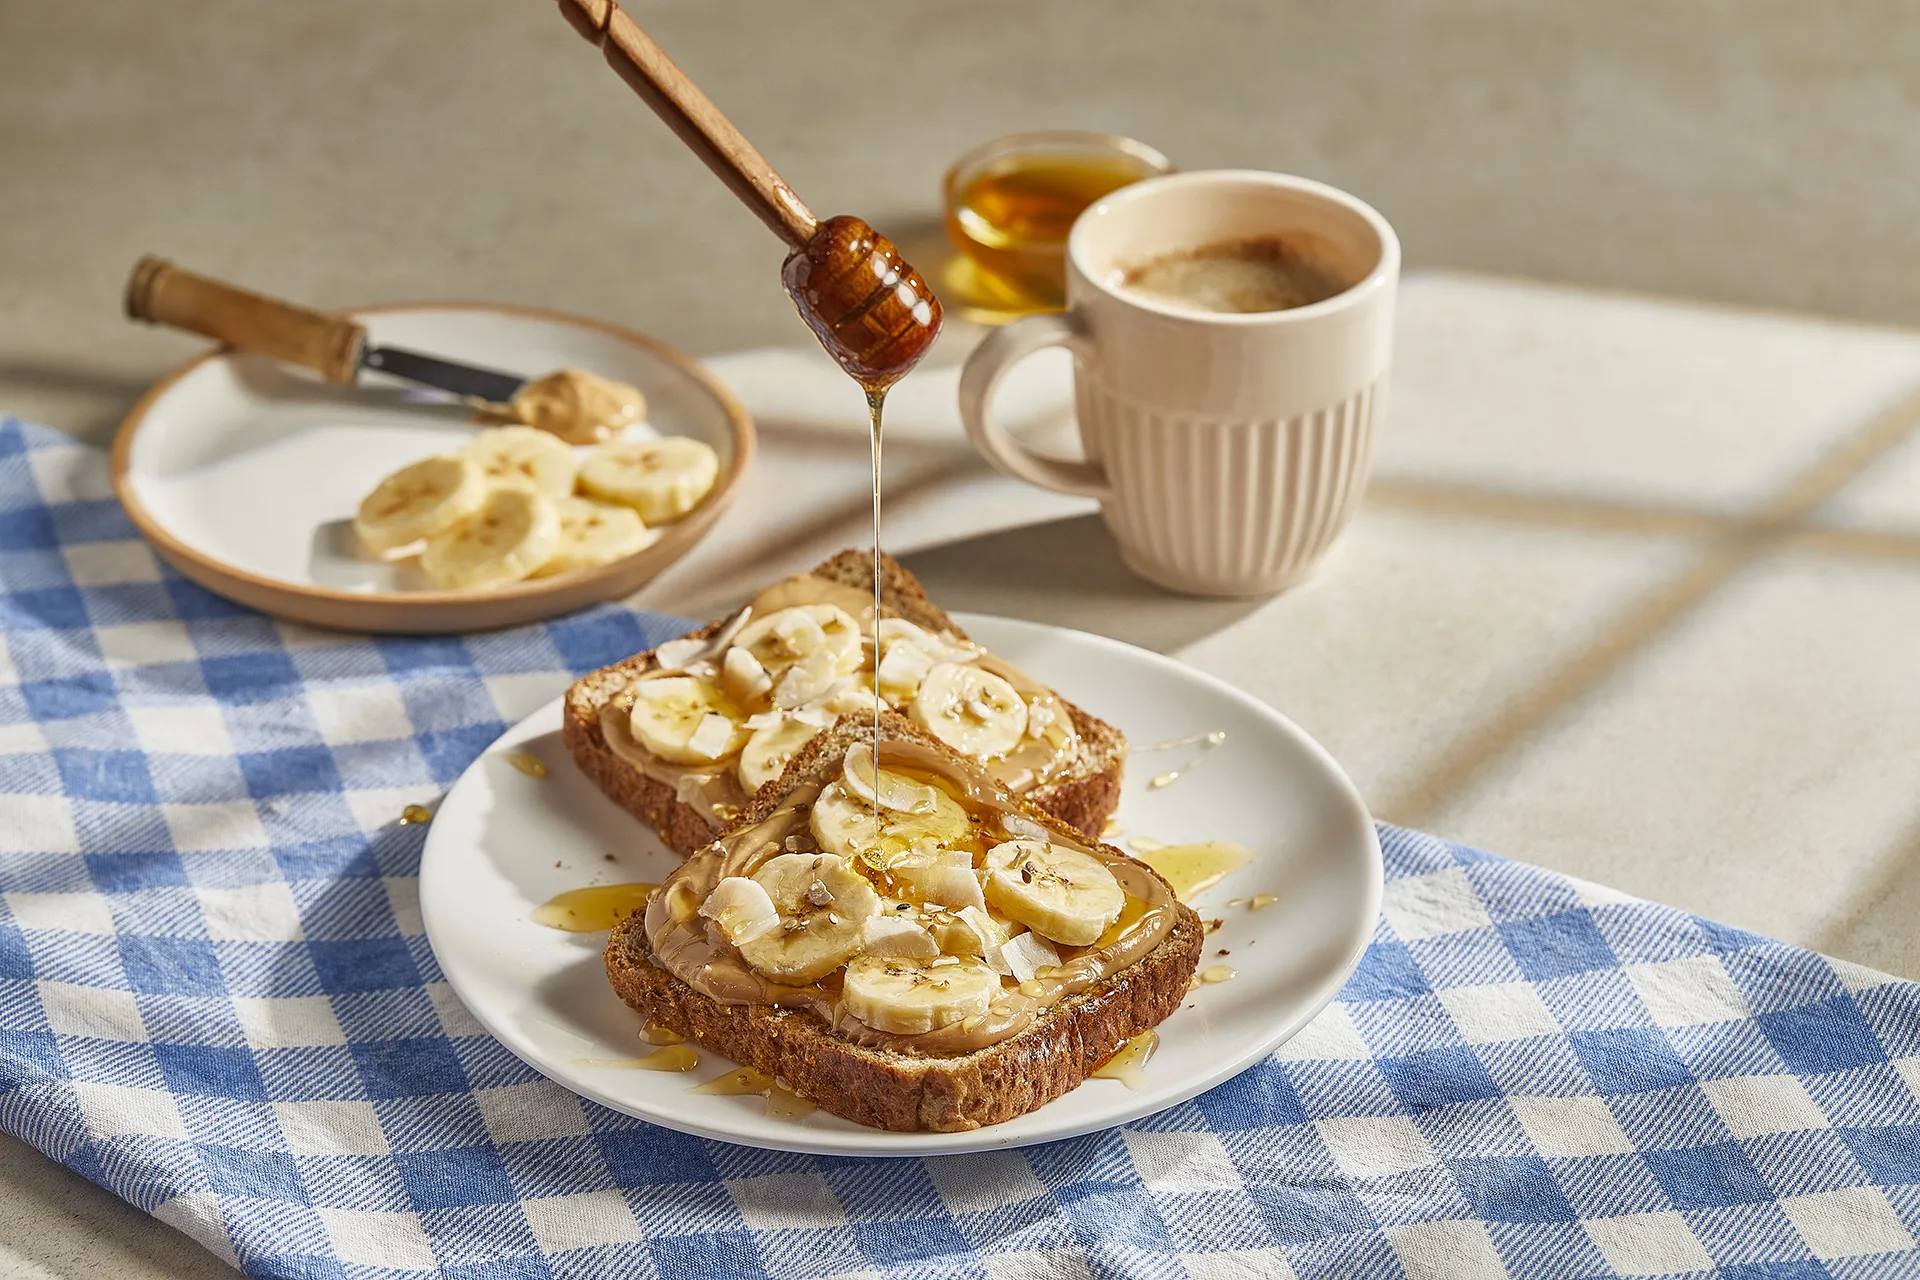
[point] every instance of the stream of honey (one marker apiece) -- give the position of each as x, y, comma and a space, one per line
876, 406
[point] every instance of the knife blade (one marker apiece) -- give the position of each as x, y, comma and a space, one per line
465, 380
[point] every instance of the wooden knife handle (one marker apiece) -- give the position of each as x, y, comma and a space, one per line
161, 293
691, 114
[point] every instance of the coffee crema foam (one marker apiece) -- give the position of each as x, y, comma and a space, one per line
1262, 273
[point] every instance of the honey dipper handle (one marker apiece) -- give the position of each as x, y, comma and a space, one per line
161, 293
691, 114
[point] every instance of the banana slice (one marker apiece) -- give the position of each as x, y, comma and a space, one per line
595, 533
824, 906
661, 479
524, 458
741, 909
768, 751
1059, 893
687, 719
975, 712
788, 637
884, 787
419, 501
910, 997
846, 824
514, 532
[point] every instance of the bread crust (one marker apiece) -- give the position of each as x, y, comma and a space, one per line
889, 1089
1084, 799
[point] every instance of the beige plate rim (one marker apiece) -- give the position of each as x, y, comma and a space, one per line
440, 612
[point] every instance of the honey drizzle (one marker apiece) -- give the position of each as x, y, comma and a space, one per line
1128, 1066
876, 404
1205, 741
674, 1057
1192, 869
782, 1102
592, 909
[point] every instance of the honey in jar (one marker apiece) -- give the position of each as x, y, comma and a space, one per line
1011, 203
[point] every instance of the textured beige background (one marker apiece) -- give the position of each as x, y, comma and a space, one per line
1596, 613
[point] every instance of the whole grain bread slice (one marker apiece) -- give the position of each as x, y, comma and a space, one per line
889, 1089
1084, 796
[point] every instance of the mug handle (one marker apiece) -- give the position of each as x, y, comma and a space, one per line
1003, 349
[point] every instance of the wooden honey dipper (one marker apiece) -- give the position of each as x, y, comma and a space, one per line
871, 311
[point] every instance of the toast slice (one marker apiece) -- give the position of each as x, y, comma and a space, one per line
1084, 793
886, 1085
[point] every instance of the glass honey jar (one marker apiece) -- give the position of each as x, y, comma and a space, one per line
1010, 203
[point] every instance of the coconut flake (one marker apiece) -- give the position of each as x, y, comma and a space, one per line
992, 941
904, 667
678, 655
901, 629
1021, 827
815, 717
674, 655
711, 737
742, 909
897, 936
1028, 953
806, 679
665, 687
743, 675
690, 785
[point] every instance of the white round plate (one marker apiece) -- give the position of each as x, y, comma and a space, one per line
245, 474
503, 843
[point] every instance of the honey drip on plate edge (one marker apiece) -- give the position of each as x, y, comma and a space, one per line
782, 1102
1129, 1065
593, 909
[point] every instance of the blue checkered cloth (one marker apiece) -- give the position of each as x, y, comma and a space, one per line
216, 1001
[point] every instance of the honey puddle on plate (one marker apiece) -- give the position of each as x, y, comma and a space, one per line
675, 1057
592, 909
1192, 869
1129, 1065
782, 1102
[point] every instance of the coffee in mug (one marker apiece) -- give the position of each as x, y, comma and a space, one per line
1231, 333
1263, 273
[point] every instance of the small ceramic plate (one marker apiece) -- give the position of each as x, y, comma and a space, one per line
503, 843
245, 475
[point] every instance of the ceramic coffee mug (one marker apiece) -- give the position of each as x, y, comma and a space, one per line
1228, 450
